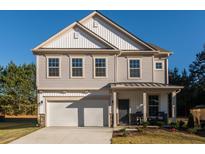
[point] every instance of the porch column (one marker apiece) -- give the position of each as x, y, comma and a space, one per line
174, 106
144, 106
110, 111
114, 109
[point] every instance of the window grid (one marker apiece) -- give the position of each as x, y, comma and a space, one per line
134, 67
77, 67
153, 105
53, 67
158, 65
100, 67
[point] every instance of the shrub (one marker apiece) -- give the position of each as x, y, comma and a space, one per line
192, 130
181, 124
190, 123
173, 125
145, 124
160, 123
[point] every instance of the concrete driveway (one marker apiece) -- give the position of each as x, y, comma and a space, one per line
67, 135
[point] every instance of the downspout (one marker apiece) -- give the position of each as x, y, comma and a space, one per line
116, 66
167, 72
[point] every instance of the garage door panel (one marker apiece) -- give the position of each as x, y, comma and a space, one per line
77, 113
93, 116
60, 114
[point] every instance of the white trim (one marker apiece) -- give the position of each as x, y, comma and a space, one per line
37, 70
53, 77
167, 70
153, 69
159, 61
106, 67
55, 36
118, 27
83, 67
128, 68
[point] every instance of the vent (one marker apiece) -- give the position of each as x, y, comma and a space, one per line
95, 24
75, 35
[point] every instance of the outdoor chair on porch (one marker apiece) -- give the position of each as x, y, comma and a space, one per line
137, 118
161, 116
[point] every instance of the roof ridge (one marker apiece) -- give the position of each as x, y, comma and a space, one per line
96, 35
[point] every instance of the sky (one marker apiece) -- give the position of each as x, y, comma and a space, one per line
182, 32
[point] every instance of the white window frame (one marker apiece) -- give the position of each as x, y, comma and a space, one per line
128, 68
106, 67
159, 61
47, 67
71, 67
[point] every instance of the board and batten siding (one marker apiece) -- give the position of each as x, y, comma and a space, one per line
112, 35
67, 40
136, 100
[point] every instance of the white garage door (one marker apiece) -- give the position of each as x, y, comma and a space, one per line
61, 114
79, 113
93, 117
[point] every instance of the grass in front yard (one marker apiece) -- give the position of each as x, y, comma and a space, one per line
159, 136
10, 131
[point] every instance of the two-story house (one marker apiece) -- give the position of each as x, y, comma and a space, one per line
96, 73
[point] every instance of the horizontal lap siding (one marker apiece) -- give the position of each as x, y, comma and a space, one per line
65, 82
146, 70
159, 75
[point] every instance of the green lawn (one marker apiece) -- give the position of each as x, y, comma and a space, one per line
159, 136
10, 131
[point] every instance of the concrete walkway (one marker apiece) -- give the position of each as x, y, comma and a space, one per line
67, 135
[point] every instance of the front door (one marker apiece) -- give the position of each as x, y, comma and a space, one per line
123, 106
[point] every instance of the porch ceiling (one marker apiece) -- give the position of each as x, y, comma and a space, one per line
143, 85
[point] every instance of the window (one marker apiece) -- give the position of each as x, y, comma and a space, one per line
153, 106
158, 65
53, 67
100, 67
134, 68
77, 67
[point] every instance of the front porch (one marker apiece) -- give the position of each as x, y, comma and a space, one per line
135, 103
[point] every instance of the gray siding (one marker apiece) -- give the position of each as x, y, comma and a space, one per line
66, 82
89, 82
146, 73
160, 75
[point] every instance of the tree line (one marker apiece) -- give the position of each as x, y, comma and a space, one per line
193, 80
18, 89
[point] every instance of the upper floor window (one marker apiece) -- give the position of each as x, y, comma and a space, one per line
100, 67
77, 67
134, 68
158, 65
53, 67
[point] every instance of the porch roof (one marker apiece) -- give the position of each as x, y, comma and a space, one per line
143, 85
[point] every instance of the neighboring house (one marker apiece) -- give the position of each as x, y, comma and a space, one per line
95, 73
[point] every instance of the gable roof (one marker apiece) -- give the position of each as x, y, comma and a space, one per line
81, 27
129, 34
160, 49
150, 46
